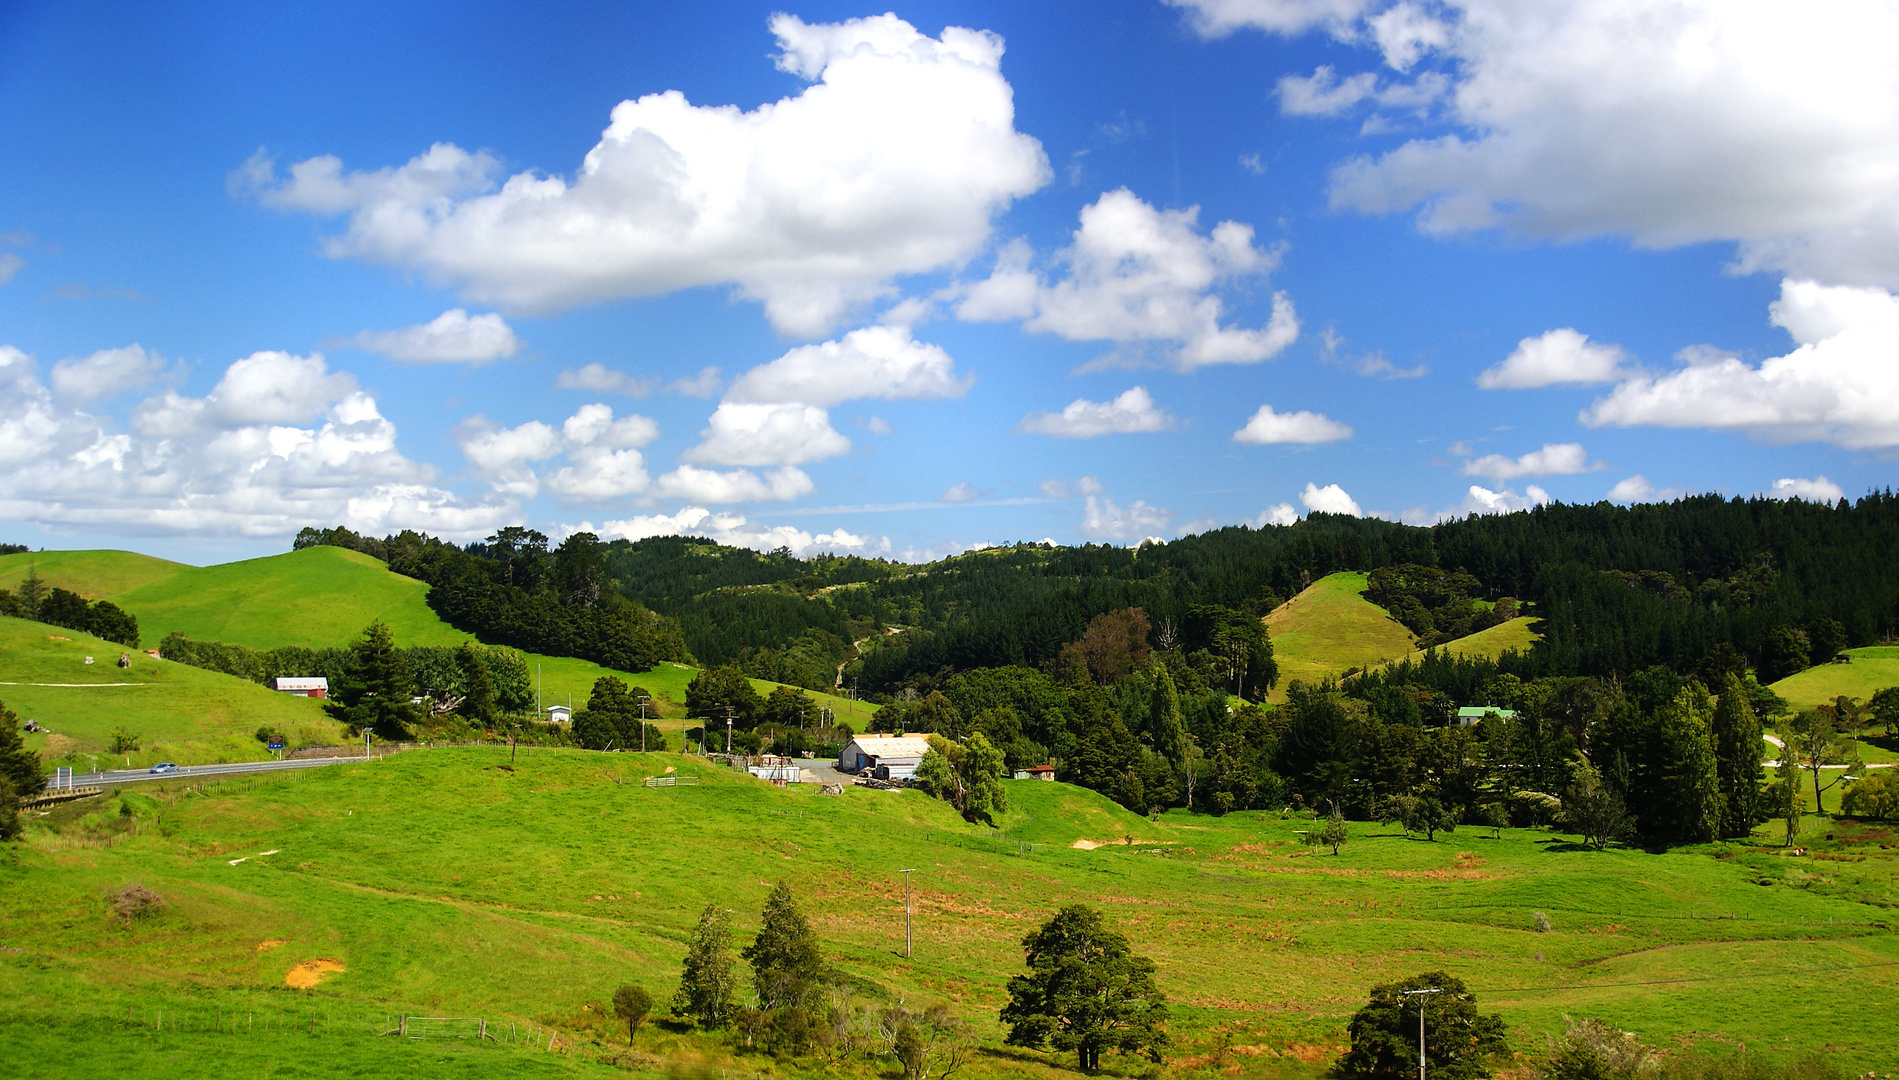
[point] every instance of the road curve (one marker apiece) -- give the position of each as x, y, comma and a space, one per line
234, 768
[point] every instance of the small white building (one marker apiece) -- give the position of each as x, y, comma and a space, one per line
559, 714
888, 757
1471, 714
312, 687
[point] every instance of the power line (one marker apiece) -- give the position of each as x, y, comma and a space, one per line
1693, 979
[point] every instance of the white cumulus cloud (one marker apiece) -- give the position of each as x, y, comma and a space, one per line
105, 374
1103, 519
786, 433
1330, 499
1267, 427
880, 362
1277, 514
694, 484
1479, 500
1818, 490
1771, 126
1140, 276
453, 337
1132, 412
1556, 357
736, 531
1554, 459
961, 493
894, 161
1841, 385
597, 378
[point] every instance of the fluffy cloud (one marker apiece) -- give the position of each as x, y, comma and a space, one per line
1554, 459
1267, 426
1133, 411
1103, 519
1819, 490
1773, 126
1330, 499
1839, 386
603, 459
1053, 489
1556, 357
105, 374
1140, 276
881, 362
453, 337
1479, 500
504, 457
962, 493
894, 161
733, 486
1278, 514
598, 378
787, 433
279, 443
734, 530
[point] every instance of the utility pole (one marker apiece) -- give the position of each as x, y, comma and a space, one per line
539, 713
728, 730
1419, 994
906, 910
643, 725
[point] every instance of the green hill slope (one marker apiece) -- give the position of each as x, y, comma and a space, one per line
1873, 669
1493, 642
95, 575
1329, 628
442, 883
180, 713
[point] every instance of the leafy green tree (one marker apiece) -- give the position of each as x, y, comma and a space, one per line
1737, 749
1785, 651
788, 706
19, 772
787, 969
1877, 796
1814, 743
1163, 720
710, 978
1420, 813
1086, 991
981, 771
376, 690
1825, 639
631, 1004
124, 740
1457, 1039
1335, 832
31, 593
1784, 798
717, 692
1592, 1050
1594, 808
1885, 708
478, 689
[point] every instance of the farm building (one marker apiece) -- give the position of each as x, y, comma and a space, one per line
1470, 714
1035, 772
312, 687
559, 714
888, 757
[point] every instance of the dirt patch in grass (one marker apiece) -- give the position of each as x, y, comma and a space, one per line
270, 943
311, 972
134, 902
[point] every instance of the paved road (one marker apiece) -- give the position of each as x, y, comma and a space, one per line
135, 776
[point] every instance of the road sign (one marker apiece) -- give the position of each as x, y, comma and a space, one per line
276, 744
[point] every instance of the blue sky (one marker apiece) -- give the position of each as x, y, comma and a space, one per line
967, 273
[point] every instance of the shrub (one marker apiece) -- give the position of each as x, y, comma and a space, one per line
1876, 796
133, 902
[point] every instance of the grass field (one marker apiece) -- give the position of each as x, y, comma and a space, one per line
1493, 642
444, 884
181, 713
1873, 669
1330, 628
319, 596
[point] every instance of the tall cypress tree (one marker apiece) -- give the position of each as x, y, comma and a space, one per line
1737, 747
1163, 719
708, 981
1688, 805
787, 969
377, 688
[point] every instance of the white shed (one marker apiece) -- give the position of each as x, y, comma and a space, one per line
888, 757
312, 687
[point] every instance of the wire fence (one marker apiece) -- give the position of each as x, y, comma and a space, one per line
234, 1023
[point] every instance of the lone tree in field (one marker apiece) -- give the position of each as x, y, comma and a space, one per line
710, 977
787, 969
631, 1004
1334, 832
1593, 808
1814, 743
1086, 991
1456, 1038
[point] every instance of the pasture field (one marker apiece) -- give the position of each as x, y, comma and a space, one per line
1492, 642
439, 882
1874, 668
181, 713
317, 597
1329, 628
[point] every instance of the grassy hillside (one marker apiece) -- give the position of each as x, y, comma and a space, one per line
1493, 642
1329, 628
319, 596
95, 575
443, 884
1873, 669
181, 713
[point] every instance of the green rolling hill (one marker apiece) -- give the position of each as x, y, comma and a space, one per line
1329, 628
1872, 669
96, 575
1493, 642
